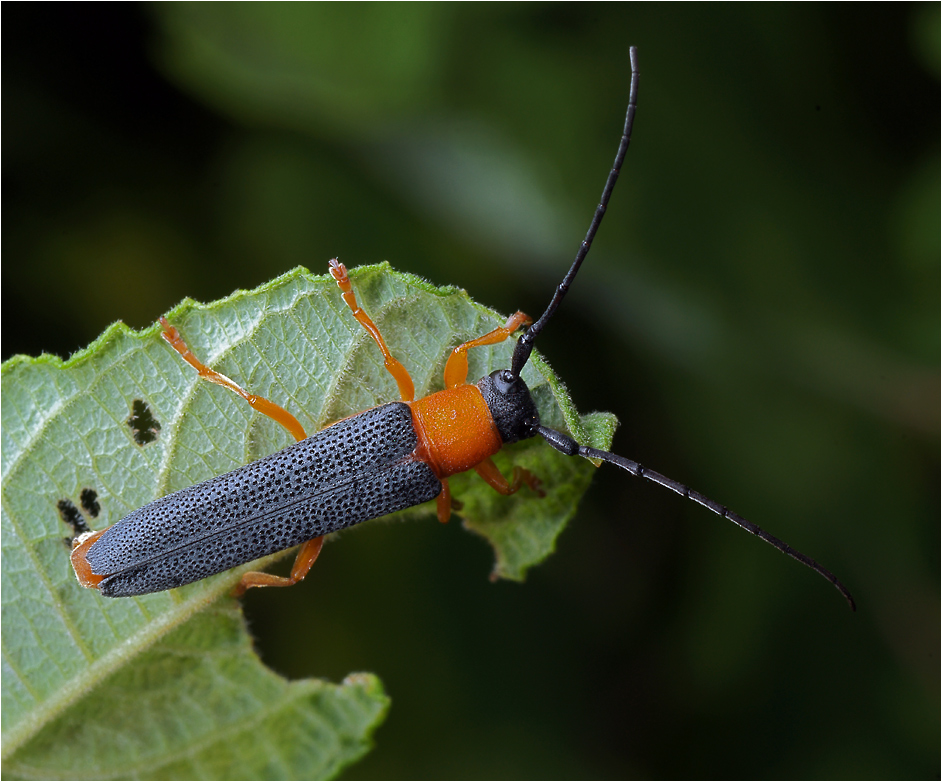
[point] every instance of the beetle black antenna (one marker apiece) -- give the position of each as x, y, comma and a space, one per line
525, 344
565, 444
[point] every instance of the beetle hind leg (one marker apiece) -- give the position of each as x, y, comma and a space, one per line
303, 562
264, 406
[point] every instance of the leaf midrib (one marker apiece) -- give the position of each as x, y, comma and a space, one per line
135, 644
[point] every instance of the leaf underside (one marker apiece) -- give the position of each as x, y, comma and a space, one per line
166, 685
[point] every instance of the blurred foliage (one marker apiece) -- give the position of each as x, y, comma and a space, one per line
760, 308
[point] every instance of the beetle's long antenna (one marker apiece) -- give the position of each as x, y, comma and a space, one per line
525, 344
570, 447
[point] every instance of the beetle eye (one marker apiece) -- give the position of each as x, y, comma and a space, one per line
504, 381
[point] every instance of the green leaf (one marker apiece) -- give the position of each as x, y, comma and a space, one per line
167, 685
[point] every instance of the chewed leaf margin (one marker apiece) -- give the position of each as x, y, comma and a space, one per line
67, 428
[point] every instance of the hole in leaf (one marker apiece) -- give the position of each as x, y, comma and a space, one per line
72, 516
90, 504
144, 426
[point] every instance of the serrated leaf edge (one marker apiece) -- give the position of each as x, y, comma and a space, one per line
168, 620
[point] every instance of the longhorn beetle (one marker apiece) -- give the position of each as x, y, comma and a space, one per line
382, 460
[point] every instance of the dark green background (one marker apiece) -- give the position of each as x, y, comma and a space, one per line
761, 309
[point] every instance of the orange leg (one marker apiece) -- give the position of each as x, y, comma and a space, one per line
495, 479
308, 552
307, 556
393, 366
443, 502
456, 368
261, 404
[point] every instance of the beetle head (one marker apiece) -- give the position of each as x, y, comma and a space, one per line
511, 405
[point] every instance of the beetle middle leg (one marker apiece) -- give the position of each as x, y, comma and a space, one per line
395, 368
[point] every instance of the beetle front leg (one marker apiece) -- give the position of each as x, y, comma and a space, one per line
456, 368
496, 480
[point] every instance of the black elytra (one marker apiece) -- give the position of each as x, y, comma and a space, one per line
357, 469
